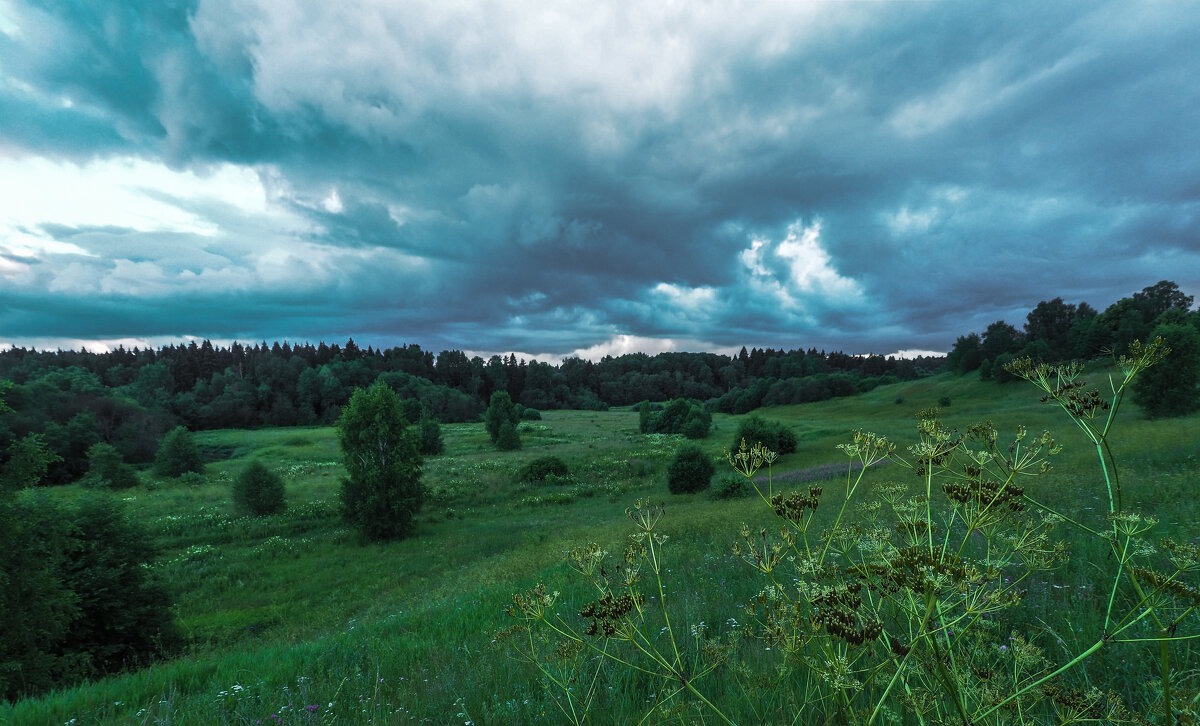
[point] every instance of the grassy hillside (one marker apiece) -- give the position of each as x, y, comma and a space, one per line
293, 620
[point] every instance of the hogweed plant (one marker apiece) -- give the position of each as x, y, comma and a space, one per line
884, 602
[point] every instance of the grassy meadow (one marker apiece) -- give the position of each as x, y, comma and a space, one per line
293, 620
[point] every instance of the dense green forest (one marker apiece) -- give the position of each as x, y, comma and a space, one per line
131, 398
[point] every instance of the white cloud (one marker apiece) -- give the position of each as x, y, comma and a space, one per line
690, 299
333, 202
112, 192
8, 23
797, 268
624, 344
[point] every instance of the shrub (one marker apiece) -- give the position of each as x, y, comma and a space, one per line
690, 471
508, 438
500, 409
178, 454
259, 491
680, 416
944, 402
531, 414
106, 468
774, 435
541, 468
383, 491
192, 479
731, 487
431, 443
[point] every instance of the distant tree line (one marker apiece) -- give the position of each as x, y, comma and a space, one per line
1056, 331
130, 399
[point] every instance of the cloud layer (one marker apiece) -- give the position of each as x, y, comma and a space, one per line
583, 177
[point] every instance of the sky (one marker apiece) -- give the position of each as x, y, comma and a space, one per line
583, 178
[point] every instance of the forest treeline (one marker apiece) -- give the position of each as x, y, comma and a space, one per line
131, 398
1055, 331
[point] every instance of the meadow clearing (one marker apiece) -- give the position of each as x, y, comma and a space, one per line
291, 619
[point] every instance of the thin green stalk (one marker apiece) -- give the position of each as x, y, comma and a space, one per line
1116, 583
1062, 669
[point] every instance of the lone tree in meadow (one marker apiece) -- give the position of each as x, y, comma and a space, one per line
178, 454
259, 491
502, 417
690, 470
383, 491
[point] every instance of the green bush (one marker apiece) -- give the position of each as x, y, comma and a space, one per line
774, 435
192, 479
542, 467
690, 471
531, 414
430, 438
383, 491
731, 486
508, 439
500, 409
107, 469
259, 491
944, 402
680, 416
178, 454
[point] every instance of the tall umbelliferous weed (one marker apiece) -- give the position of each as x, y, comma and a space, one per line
881, 599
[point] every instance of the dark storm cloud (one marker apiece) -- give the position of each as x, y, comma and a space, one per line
861, 176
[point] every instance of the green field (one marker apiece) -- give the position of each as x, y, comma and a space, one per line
292, 619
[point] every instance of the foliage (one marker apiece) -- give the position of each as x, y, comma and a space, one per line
178, 454
690, 470
259, 491
106, 468
531, 414
774, 435
383, 489
912, 609
29, 459
731, 487
36, 606
430, 435
500, 411
679, 416
508, 439
1172, 389
77, 600
124, 615
542, 467
1057, 331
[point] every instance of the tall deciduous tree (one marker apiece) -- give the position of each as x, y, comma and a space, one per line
1172, 388
383, 491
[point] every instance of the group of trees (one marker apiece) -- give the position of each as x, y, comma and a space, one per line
1055, 331
680, 416
76, 598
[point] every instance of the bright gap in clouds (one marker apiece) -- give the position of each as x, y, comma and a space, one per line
128, 193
